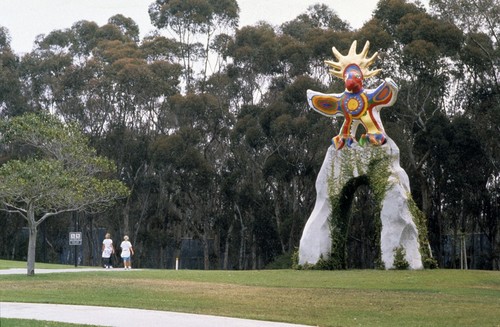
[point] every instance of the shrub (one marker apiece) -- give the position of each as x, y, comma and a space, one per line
400, 262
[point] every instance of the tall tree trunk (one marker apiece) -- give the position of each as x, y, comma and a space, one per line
242, 239
32, 225
206, 252
177, 244
277, 215
14, 246
126, 213
254, 252
216, 249
495, 257
32, 250
226, 246
162, 260
454, 248
295, 213
144, 200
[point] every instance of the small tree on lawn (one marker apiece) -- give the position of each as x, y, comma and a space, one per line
52, 170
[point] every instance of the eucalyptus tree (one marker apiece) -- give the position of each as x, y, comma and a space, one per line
294, 57
276, 140
11, 100
195, 25
314, 33
186, 181
200, 32
117, 90
276, 151
441, 63
141, 90
62, 76
420, 52
297, 142
127, 25
254, 50
61, 174
477, 98
247, 192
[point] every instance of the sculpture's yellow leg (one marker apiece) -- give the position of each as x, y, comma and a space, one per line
344, 136
374, 134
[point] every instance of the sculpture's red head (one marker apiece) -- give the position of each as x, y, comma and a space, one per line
353, 78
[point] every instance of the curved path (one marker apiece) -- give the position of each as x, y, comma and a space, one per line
110, 316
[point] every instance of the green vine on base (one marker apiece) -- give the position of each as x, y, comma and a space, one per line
400, 262
421, 222
372, 168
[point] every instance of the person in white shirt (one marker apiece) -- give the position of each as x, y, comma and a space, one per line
127, 252
107, 250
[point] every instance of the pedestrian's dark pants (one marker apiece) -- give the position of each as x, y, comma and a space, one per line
107, 262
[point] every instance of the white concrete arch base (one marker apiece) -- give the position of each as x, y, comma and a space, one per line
398, 227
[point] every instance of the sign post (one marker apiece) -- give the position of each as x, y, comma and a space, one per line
75, 238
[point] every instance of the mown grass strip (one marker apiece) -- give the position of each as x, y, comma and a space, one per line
323, 298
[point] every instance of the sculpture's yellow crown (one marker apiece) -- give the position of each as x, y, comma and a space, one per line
353, 58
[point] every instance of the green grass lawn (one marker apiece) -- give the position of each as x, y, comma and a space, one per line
323, 298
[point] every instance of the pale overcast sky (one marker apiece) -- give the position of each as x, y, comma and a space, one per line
25, 19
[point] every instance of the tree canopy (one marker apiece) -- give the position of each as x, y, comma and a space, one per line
56, 173
208, 126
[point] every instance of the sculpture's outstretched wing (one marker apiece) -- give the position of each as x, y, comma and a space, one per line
385, 94
325, 104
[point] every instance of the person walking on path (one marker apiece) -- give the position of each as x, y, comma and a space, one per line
127, 252
107, 250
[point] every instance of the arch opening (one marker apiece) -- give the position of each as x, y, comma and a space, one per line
359, 222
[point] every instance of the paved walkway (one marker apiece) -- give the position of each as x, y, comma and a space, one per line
24, 271
110, 316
